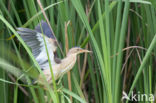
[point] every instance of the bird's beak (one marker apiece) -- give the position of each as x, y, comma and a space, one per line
85, 51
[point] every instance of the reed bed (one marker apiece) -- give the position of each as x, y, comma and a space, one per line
120, 33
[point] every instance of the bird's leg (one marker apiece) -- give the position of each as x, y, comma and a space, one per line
60, 89
60, 80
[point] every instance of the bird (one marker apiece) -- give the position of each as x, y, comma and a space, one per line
34, 40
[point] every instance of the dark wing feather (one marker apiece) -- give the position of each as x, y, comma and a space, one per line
30, 37
35, 41
44, 27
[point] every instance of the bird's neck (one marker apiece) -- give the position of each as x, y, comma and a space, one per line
68, 62
69, 58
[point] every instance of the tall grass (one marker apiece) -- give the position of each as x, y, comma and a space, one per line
121, 34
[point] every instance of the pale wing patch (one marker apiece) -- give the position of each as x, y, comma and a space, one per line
42, 57
35, 41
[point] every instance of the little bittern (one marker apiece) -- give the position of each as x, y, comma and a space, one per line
35, 41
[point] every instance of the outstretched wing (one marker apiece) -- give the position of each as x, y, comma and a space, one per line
44, 27
34, 40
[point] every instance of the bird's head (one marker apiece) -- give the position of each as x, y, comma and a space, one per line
77, 50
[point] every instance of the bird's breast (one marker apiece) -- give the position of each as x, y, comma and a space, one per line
61, 68
68, 63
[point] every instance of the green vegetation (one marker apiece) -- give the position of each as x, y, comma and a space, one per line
121, 34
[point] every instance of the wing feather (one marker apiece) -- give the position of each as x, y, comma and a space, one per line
35, 41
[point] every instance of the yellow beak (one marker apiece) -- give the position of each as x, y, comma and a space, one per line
85, 51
